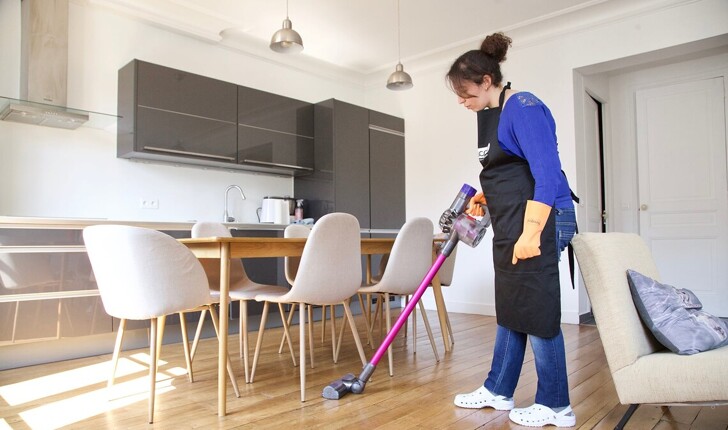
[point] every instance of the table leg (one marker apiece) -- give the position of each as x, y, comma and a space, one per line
223, 347
441, 311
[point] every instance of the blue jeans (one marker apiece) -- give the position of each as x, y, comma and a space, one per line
565, 228
510, 347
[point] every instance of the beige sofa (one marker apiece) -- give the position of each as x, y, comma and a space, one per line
643, 370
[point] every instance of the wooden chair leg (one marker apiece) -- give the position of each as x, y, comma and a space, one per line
244, 346
414, 330
366, 310
287, 331
230, 371
429, 330
283, 337
161, 322
198, 333
259, 342
389, 327
340, 338
355, 333
323, 323
117, 351
373, 321
153, 353
406, 322
302, 347
333, 334
310, 333
186, 346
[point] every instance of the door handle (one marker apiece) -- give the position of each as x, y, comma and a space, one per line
643, 207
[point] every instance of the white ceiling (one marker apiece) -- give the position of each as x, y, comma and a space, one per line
355, 35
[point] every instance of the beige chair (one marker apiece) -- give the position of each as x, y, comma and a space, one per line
329, 273
409, 262
242, 289
291, 268
644, 372
145, 274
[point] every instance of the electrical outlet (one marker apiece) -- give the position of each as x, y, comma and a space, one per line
149, 203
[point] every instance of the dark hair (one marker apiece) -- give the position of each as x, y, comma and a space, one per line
474, 64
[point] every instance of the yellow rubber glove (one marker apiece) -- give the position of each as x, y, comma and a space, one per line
534, 221
474, 206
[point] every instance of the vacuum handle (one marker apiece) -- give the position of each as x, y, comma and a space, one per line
457, 207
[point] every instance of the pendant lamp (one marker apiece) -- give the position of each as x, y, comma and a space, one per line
399, 79
286, 40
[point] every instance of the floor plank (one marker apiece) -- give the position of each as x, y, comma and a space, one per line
73, 394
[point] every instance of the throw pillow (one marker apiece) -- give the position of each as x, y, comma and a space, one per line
674, 316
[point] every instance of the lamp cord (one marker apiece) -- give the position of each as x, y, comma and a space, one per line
399, 48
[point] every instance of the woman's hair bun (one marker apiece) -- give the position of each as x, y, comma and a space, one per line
496, 46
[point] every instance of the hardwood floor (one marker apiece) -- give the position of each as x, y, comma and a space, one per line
73, 394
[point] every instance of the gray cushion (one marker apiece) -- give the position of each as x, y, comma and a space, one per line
675, 317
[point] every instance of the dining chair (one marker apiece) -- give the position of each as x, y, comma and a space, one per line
143, 274
409, 262
242, 289
329, 273
291, 268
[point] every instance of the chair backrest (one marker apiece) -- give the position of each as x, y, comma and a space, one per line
410, 259
447, 270
291, 263
603, 261
143, 273
211, 265
330, 267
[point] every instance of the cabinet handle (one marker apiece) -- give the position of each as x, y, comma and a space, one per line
196, 154
268, 163
385, 130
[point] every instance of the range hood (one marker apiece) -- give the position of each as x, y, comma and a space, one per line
43, 69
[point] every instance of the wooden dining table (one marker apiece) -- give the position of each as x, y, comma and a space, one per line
225, 248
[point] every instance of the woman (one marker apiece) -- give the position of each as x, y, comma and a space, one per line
533, 220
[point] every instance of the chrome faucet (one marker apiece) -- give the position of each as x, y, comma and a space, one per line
226, 217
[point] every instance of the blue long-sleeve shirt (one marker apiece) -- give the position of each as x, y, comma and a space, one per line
528, 130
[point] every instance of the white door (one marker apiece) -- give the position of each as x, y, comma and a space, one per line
681, 151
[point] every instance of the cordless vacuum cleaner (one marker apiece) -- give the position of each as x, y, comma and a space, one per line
459, 227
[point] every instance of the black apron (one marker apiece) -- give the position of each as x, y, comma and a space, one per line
527, 294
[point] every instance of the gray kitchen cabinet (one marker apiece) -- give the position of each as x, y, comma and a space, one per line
386, 171
275, 131
359, 166
171, 115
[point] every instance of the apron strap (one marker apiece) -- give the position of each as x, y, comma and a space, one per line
569, 247
502, 96
570, 250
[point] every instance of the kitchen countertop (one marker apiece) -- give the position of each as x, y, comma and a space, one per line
80, 223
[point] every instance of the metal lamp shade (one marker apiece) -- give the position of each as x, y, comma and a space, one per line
399, 79
286, 40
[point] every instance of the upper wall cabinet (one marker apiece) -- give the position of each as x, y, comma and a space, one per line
174, 116
359, 166
170, 115
275, 131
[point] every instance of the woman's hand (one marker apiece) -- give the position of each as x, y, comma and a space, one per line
475, 206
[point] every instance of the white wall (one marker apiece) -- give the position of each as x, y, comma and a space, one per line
57, 173
47, 172
441, 136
